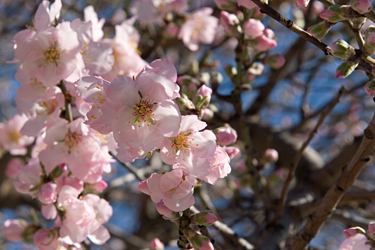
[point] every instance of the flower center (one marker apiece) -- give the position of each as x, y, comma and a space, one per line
52, 54
142, 112
46, 107
181, 141
72, 139
14, 136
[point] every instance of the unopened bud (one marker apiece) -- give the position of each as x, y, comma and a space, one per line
226, 135
334, 14
13, 229
370, 40
232, 151
349, 232
345, 69
270, 155
320, 30
48, 193
229, 22
361, 6
275, 61
156, 244
302, 3
204, 218
341, 49
253, 28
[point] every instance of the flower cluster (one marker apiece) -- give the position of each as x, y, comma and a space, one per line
84, 97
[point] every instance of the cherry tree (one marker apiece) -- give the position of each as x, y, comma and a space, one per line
226, 124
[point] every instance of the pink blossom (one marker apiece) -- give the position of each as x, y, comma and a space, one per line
174, 188
96, 24
152, 11
14, 167
266, 41
28, 177
148, 114
48, 193
156, 244
361, 6
124, 50
51, 55
11, 138
226, 135
83, 217
77, 146
160, 206
302, 3
13, 229
356, 242
47, 14
190, 144
253, 28
200, 27
46, 239
218, 166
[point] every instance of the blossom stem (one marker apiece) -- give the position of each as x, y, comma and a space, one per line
68, 102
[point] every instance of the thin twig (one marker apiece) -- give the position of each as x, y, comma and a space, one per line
336, 192
298, 156
269, 11
137, 174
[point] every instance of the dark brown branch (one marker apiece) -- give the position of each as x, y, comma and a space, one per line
336, 192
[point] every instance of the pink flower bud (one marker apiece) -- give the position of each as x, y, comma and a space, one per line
232, 152
207, 245
48, 193
345, 69
205, 91
333, 14
253, 28
13, 229
266, 41
156, 244
204, 218
172, 30
143, 187
229, 21
207, 114
361, 6
271, 155
349, 232
275, 61
226, 135
45, 239
371, 228
370, 40
302, 3
318, 7
49, 211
